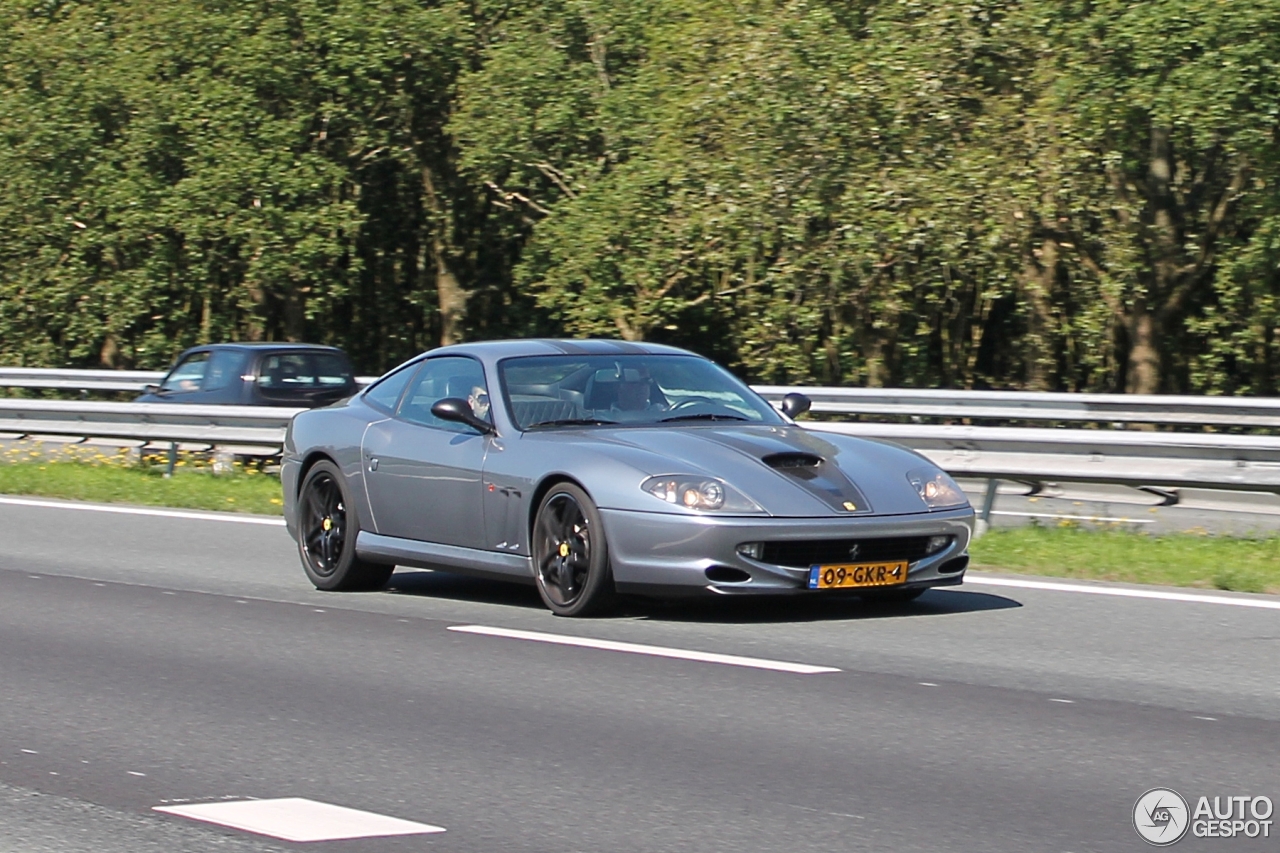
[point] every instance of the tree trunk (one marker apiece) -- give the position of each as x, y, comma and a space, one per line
1039, 275
295, 315
1146, 325
109, 355
450, 295
255, 329
1144, 364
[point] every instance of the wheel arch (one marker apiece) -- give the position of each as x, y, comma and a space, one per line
309, 462
548, 483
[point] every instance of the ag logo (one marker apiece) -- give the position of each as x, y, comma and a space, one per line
1161, 816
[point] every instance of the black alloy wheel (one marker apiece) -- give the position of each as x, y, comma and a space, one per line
324, 524
327, 531
570, 554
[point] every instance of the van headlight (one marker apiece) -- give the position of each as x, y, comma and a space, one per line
700, 493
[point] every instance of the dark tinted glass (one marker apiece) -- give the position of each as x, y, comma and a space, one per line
281, 375
333, 370
297, 373
225, 367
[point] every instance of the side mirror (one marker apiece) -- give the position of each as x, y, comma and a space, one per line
458, 410
150, 389
794, 405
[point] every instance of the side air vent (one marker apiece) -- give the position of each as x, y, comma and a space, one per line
787, 461
727, 574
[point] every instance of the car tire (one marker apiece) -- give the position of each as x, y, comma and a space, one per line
327, 529
570, 555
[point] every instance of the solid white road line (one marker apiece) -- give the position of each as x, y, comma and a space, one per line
135, 510
1119, 592
638, 649
297, 819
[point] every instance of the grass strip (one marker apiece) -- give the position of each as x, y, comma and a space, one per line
110, 482
1175, 559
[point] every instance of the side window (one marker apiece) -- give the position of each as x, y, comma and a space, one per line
385, 393
188, 375
225, 367
448, 376
285, 373
332, 370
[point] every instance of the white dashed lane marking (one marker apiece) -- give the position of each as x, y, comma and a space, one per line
298, 819
638, 649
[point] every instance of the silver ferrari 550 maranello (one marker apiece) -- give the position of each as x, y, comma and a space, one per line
591, 468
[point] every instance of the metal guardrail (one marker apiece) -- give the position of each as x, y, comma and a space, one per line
1039, 406
893, 402
1152, 460
1159, 462
91, 380
78, 380
172, 422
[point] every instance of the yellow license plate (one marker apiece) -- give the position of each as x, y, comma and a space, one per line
844, 575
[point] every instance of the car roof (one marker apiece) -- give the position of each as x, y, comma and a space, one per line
494, 350
264, 345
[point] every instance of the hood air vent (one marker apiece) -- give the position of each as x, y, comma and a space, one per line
790, 461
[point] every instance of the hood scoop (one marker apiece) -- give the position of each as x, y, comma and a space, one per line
823, 480
791, 461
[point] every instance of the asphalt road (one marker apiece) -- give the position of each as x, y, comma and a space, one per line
152, 660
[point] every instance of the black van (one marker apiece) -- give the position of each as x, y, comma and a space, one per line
268, 374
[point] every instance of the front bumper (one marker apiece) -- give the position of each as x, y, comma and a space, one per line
290, 468
670, 554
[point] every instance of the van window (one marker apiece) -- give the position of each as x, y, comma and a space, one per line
225, 367
188, 375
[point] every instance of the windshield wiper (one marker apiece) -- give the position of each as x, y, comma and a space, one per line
704, 416
571, 422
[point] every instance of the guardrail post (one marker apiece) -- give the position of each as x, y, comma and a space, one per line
988, 503
173, 459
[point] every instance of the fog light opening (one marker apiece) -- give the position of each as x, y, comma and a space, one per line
726, 574
936, 544
751, 550
952, 566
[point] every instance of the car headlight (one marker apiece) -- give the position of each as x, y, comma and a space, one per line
703, 493
937, 490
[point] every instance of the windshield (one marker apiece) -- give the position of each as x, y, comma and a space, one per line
592, 390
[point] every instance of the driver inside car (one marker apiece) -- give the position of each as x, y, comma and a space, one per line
637, 392
478, 399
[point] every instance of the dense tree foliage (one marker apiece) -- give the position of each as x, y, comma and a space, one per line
1068, 194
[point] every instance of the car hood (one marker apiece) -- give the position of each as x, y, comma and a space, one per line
786, 470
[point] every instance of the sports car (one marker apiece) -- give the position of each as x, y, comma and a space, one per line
592, 468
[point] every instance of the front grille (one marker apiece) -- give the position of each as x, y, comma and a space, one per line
807, 552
